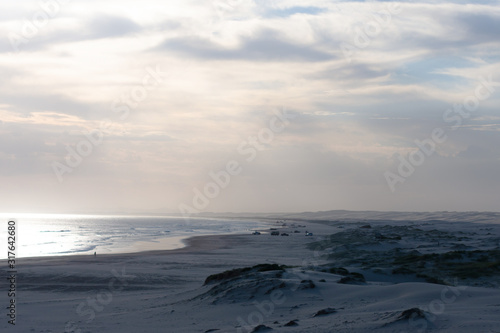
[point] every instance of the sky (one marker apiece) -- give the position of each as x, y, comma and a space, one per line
249, 106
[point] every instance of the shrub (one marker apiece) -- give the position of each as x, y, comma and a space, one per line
233, 273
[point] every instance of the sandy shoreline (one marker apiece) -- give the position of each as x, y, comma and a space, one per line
192, 245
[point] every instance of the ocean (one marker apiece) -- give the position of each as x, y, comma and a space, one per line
53, 235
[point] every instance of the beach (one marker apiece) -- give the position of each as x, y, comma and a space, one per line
288, 285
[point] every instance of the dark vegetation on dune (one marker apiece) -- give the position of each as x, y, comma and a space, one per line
413, 315
437, 256
243, 284
238, 272
462, 264
347, 277
325, 312
261, 328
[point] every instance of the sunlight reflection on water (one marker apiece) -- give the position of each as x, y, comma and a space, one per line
52, 234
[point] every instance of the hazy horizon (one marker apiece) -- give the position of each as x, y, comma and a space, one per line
249, 106
323, 214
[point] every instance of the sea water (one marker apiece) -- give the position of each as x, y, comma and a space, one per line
52, 235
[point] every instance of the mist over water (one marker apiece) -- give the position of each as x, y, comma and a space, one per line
49, 235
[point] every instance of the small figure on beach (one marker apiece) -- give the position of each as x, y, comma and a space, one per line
95, 253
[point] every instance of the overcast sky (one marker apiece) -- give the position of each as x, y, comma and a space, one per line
334, 93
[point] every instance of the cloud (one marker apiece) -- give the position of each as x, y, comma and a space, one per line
25, 150
70, 30
25, 104
460, 29
480, 27
111, 26
355, 72
286, 12
264, 46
